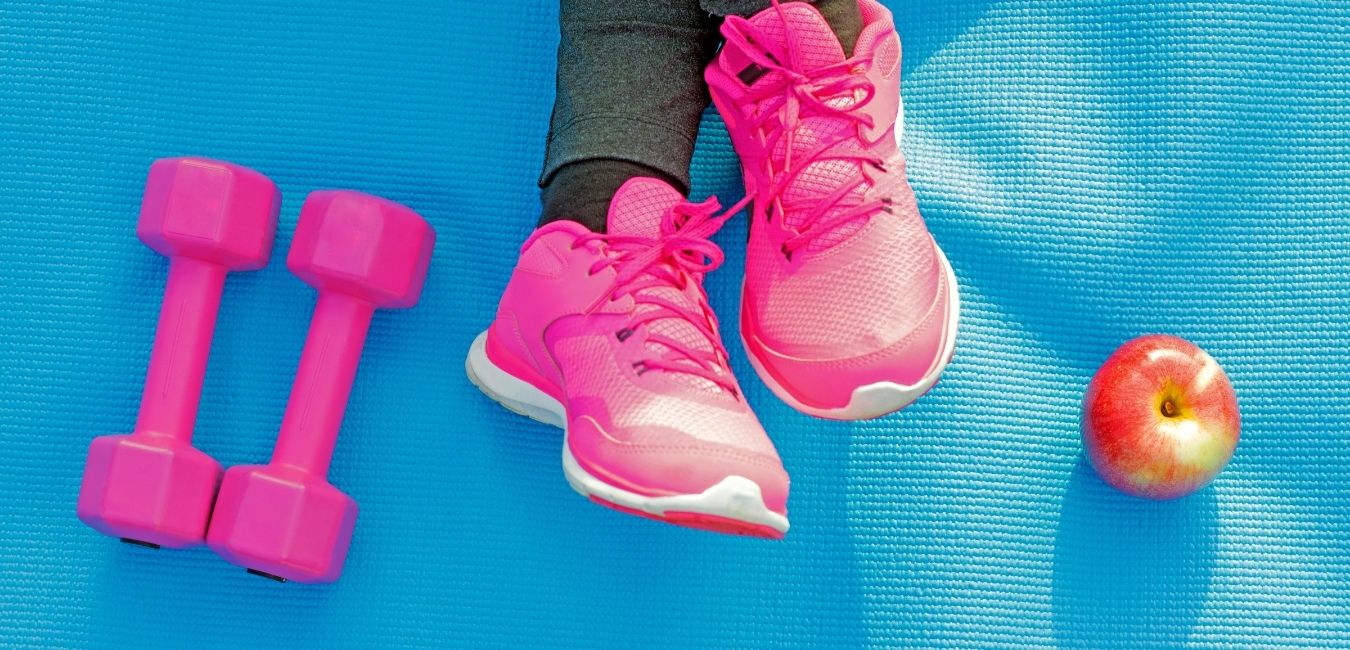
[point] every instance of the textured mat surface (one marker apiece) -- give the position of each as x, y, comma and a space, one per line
1095, 170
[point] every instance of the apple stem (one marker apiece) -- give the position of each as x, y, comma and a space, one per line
1169, 408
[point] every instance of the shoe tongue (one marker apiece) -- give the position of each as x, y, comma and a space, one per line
638, 210
814, 46
812, 41
639, 206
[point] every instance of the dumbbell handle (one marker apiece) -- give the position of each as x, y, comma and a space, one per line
337, 333
187, 320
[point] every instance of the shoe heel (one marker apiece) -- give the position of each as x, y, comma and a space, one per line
512, 392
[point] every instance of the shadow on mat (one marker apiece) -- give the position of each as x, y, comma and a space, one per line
1130, 572
927, 26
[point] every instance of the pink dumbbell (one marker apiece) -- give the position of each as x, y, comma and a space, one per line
209, 217
284, 520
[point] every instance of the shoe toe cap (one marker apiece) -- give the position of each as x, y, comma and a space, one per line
655, 460
827, 377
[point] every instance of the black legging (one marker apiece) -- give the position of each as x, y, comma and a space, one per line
631, 93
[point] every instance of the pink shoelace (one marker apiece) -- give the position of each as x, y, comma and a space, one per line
789, 96
683, 254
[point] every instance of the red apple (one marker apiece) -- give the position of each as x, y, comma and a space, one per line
1160, 418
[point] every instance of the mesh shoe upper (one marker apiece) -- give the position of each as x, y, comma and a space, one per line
840, 266
620, 328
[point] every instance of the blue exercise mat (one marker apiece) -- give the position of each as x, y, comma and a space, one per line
1095, 170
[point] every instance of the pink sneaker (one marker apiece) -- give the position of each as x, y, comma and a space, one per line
611, 338
849, 308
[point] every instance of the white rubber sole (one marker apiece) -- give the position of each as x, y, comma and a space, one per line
882, 398
734, 497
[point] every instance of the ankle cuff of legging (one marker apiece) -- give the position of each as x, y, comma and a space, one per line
663, 147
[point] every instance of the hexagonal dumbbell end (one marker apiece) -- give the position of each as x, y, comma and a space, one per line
282, 523
363, 246
209, 217
283, 520
148, 490
209, 210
